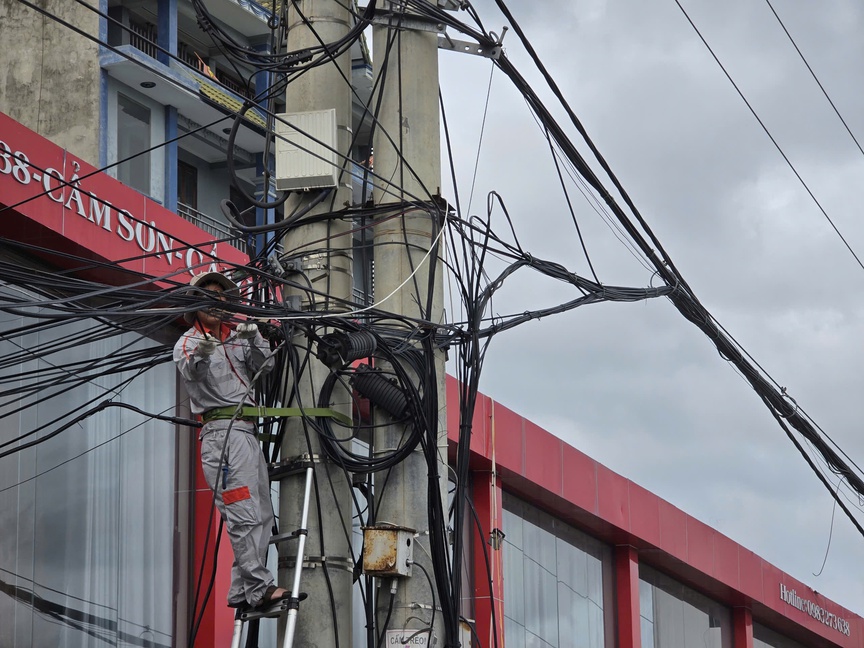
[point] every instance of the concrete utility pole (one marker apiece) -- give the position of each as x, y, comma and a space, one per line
409, 115
327, 264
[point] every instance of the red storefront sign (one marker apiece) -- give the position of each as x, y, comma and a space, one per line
54, 200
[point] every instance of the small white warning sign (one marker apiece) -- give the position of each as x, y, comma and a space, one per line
407, 637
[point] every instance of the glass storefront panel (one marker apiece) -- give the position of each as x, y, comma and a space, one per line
675, 616
87, 517
541, 598
766, 638
557, 591
646, 612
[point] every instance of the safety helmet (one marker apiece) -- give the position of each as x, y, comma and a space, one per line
229, 288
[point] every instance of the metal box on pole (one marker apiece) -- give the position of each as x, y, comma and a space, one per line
387, 550
306, 155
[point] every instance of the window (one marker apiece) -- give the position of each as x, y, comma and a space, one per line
765, 638
133, 137
556, 583
675, 616
187, 184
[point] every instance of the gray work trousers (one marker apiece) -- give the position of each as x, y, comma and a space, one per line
242, 487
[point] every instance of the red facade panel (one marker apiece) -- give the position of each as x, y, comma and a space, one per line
750, 574
507, 440
700, 546
543, 458
480, 425
579, 479
726, 561
627, 597
488, 582
613, 498
644, 514
673, 530
217, 622
771, 580
742, 628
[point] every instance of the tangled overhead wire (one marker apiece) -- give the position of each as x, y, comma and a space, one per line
276, 62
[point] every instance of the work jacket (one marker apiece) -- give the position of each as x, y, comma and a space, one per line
222, 379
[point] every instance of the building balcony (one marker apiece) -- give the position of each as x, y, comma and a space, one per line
214, 227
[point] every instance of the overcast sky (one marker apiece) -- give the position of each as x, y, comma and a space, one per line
636, 386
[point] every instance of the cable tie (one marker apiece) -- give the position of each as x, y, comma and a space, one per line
417, 606
789, 398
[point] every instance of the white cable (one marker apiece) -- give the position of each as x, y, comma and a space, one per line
306, 315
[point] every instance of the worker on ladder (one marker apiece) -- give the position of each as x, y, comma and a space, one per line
218, 366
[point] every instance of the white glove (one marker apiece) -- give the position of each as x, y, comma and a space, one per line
207, 346
246, 330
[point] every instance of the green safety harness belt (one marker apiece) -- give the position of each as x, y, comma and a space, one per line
251, 412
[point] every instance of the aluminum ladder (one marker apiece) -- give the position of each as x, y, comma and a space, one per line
290, 605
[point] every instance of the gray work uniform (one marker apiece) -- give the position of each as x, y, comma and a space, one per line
235, 470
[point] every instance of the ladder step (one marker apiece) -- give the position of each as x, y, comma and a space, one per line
267, 612
275, 610
284, 537
280, 470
